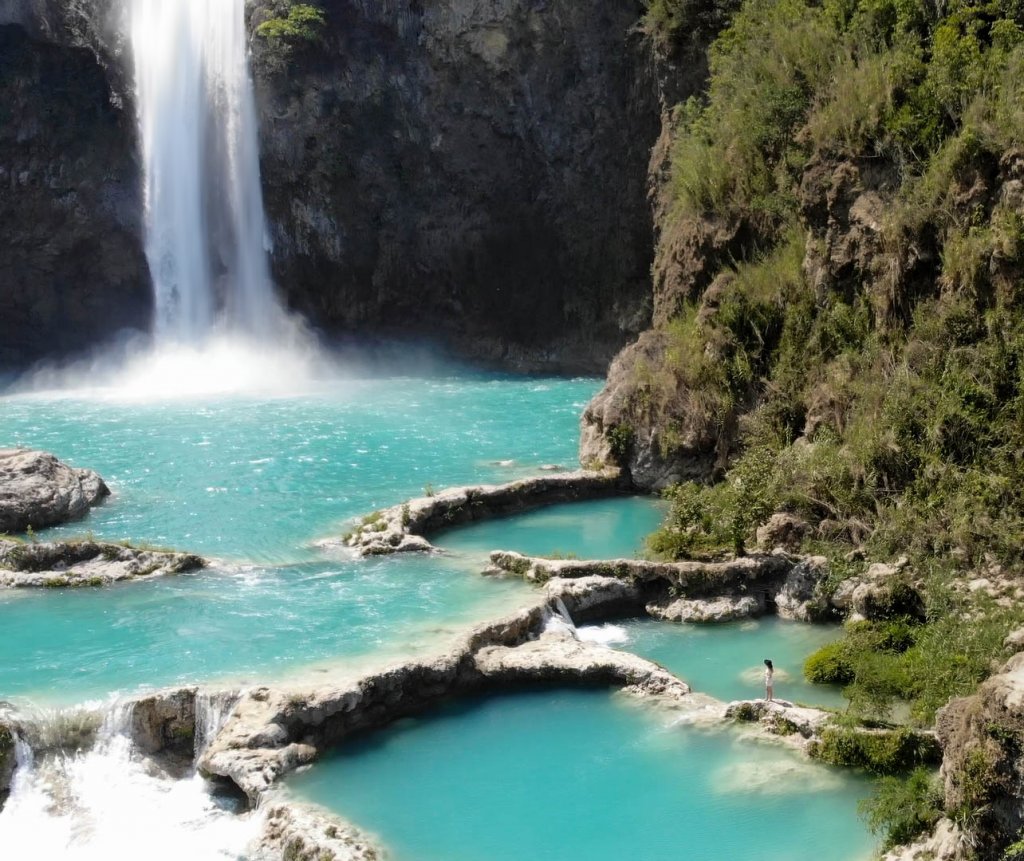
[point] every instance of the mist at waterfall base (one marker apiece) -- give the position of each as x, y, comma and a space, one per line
218, 326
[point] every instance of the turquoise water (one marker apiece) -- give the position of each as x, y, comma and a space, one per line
596, 529
248, 625
584, 776
254, 483
258, 480
725, 660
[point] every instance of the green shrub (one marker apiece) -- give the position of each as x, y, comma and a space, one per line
902, 809
303, 23
829, 666
878, 751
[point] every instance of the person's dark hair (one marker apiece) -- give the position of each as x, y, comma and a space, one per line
768, 664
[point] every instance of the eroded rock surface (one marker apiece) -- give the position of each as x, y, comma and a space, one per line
303, 832
692, 591
271, 732
73, 271
86, 563
470, 133
38, 490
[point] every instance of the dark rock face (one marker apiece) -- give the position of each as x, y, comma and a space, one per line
7, 762
72, 267
475, 172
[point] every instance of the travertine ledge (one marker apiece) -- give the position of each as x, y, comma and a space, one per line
54, 564
404, 527
694, 591
271, 732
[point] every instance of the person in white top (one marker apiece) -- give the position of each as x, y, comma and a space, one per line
769, 673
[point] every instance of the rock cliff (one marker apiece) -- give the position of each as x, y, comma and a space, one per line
472, 173
475, 171
72, 268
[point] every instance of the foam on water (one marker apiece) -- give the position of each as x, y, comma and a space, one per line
105, 804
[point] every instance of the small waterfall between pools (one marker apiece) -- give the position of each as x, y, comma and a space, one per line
559, 619
106, 802
212, 712
205, 233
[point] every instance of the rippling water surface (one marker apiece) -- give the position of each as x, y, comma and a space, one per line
253, 483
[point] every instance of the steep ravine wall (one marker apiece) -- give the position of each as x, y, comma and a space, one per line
72, 267
474, 171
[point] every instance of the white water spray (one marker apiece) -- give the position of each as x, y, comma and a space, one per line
107, 803
206, 238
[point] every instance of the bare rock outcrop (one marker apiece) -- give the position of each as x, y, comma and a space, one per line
303, 832
86, 563
73, 271
616, 430
982, 737
692, 591
38, 490
470, 134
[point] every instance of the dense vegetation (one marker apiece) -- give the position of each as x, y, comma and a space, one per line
861, 359
296, 23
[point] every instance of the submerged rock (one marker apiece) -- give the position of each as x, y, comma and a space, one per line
38, 490
86, 563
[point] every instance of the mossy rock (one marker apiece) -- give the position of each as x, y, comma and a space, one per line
894, 751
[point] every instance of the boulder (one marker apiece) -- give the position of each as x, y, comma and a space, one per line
726, 608
300, 831
783, 530
798, 598
884, 591
37, 490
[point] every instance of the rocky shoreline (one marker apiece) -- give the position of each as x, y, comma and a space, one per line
405, 527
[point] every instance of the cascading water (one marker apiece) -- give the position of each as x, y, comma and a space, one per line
107, 803
206, 237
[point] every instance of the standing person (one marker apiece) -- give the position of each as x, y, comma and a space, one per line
769, 673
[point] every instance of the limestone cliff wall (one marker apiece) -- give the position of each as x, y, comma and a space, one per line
470, 169
72, 266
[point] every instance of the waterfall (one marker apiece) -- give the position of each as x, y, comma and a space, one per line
559, 620
108, 803
211, 713
205, 233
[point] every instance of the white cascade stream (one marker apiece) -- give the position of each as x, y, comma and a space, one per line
206, 235
107, 803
